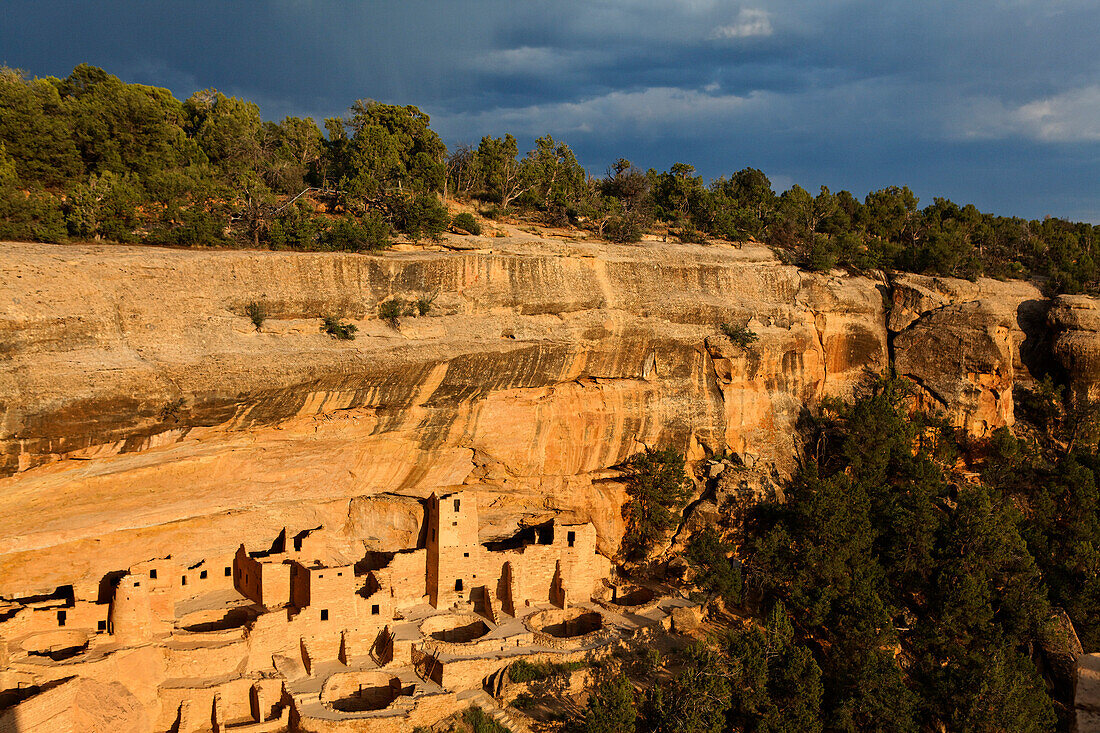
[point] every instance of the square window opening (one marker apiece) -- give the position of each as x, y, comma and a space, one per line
101, 626
374, 610
324, 614
458, 584
153, 573
228, 572
202, 575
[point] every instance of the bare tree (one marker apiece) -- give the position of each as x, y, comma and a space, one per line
461, 170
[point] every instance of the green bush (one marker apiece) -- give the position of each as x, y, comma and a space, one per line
348, 235
822, 255
524, 671
480, 722
467, 223
623, 229
296, 231
419, 216
104, 206
391, 310
742, 336
338, 330
690, 235
34, 216
197, 227
257, 313
424, 304
523, 701
612, 709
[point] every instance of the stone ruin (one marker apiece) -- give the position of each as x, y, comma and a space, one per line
279, 639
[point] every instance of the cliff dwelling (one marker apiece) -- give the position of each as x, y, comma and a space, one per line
211, 526
293, 637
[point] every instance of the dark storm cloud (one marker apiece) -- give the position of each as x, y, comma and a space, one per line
996, 103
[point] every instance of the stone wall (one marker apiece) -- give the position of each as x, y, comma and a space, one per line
77, 705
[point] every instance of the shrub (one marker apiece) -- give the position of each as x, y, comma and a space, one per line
690, 235
338, 330
622, 229
257, 313
198, 227
467, 223
648, 661
821, 256
742, 336
421, 215
296, 230
391, 310
480, 722
424, 303
105, 206
611, 707
348, 235
523, 701
171, 411
524, 671
34, 216
377, 230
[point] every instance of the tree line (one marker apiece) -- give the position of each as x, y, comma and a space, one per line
89, 156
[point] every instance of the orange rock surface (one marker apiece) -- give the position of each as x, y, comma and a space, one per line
146, 426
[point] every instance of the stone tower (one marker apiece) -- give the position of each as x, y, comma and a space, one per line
453, 549
131, 618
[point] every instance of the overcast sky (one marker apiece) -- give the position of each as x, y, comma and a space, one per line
991, 102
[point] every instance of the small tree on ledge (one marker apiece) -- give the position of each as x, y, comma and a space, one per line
742, 336
658, 489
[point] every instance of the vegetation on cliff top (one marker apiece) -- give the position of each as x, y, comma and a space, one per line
89, 156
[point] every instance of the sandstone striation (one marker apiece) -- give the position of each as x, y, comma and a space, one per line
144, 413
146, 424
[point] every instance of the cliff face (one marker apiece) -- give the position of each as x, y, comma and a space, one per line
143, 415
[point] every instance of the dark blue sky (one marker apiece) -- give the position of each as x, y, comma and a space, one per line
991, 102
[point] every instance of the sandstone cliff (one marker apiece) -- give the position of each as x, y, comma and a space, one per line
142, 414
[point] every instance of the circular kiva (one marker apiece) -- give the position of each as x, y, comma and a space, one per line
455, 628
217, 619
353, 692
57, 645
567, 623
